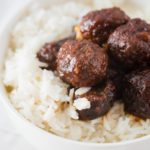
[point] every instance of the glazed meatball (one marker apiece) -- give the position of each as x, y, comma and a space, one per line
82, 63
137, 93
98, 25
114, 69
130, 44
48, 53
101, 100
116, 74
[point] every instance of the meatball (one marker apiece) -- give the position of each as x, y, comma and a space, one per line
114, 69
98, 25
82, 63
116, 74
101, 100
130, 44
48, 53
137, 93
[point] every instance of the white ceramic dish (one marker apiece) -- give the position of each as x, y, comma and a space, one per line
41, 139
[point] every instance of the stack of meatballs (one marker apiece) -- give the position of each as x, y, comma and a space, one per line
110, 52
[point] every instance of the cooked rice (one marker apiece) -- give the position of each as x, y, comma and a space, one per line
41, 97
82, 103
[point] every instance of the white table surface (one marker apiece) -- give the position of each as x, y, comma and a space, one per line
9, 138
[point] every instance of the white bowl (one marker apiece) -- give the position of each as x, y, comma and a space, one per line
41, 139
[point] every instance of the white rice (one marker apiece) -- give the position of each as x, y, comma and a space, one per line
81, 103
41, 97
82, 90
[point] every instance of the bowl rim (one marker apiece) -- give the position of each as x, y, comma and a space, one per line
6, 102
